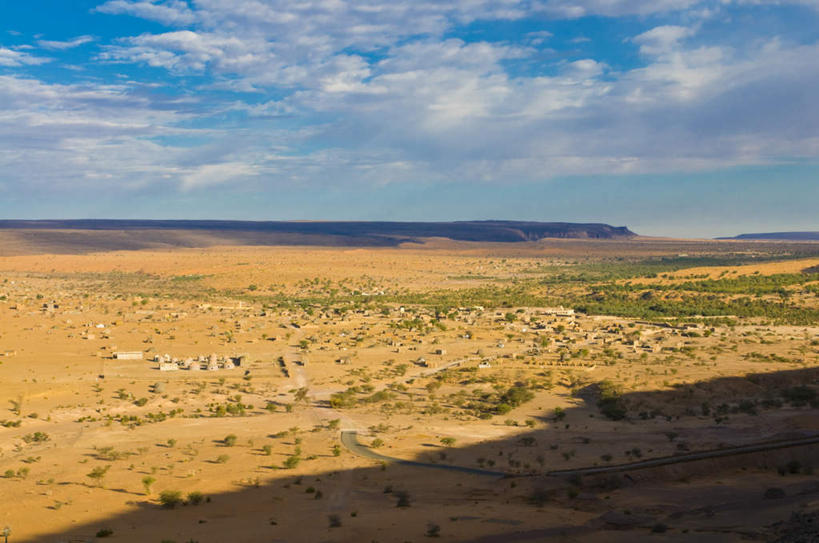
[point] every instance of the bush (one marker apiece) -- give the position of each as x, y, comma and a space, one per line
170, 498
196, 497
609, 401
292, 461
98, 474
799, 395
147, 482
230, 440
517, 396
340, 400
105, 532
36, 437
403, 498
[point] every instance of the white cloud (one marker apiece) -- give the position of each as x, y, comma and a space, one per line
69, 44
168, 12
573, 9
61, 136
13, 59
351, 92
214, 174
186, 50
809, 3
661, 39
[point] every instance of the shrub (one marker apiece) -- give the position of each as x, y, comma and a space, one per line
403, 498
105, 532
36, 437
517, 396
195, 497
292, 461
147, 482
799, 395
98, 474
170, 498
230, 440
609, 401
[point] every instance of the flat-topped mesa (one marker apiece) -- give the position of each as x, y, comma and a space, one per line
778, 236
353, 232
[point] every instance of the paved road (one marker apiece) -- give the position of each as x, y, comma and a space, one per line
349, 436
690, 457
350, 440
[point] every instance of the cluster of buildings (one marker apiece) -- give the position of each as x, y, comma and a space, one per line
166, 362
212, 362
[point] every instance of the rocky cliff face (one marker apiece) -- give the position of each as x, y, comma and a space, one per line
368, 233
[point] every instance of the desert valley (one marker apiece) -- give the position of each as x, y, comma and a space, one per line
436, 388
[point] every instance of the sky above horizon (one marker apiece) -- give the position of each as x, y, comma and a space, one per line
688, 118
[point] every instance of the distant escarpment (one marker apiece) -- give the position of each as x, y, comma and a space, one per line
354, 233
785, 236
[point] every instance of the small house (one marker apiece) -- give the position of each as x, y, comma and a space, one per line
128, 355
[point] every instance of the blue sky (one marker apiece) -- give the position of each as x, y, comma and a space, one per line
673, 117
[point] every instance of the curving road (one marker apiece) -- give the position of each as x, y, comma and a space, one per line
349, 437
350, 440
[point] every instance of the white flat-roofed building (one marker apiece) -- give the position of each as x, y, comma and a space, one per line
128, 355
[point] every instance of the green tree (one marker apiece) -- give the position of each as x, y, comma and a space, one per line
448, 441
98, 474
147, 482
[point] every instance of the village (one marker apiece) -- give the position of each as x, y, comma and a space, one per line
147, 386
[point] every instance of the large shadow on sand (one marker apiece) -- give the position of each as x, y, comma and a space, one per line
395, 502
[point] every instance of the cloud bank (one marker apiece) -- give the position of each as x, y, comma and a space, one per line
272, 93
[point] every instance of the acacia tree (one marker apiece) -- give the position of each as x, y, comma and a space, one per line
98, 474
147, 482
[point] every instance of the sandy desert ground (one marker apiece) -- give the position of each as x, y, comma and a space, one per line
450, 354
